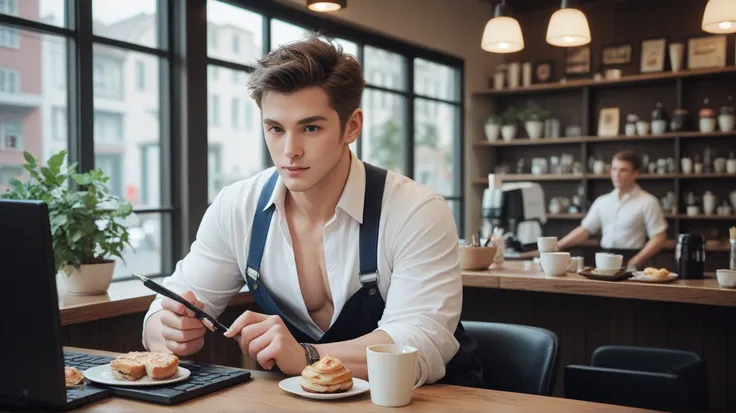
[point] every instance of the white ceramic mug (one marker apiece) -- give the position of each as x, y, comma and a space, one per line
546, 244
392, 374
554, 264
608, 263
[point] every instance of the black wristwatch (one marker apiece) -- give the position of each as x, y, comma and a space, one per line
312, 353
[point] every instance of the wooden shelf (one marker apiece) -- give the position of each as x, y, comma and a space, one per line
575, 177
592, 139
564, 216
707, 217
592, 83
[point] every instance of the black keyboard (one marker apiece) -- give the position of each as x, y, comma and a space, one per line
204, 379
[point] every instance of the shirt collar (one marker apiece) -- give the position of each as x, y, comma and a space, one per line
351, 199
629, 194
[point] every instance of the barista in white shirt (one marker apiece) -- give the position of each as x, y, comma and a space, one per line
628, 217
338, 254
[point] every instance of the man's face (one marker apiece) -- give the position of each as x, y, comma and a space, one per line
304, 137
623, 174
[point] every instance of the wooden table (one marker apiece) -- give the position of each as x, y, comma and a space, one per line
262, 394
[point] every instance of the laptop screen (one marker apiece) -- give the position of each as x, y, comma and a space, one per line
30, 350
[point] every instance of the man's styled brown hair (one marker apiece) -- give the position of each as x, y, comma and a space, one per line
629, 157
307, 63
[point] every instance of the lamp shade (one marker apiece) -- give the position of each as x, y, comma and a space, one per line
502, 35
326, 5
720, 16
568, 27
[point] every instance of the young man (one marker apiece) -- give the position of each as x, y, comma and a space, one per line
338, 254
627, 216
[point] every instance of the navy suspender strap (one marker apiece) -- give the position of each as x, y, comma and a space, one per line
375, 181
259, 229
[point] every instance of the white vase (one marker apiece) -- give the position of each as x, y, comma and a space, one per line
707, 125
659, 127
726, 122
508, 132
89, 279
514, 75
709, 203
677, 51
534, 128
687, 165
526, 77
493, 131
731, 166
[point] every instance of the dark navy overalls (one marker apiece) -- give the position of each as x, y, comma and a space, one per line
364, 309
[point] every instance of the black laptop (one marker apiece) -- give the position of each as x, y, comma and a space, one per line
30, 347
31, 353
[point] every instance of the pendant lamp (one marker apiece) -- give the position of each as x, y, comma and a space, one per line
568, 27
503, 32
720, 16
326, 5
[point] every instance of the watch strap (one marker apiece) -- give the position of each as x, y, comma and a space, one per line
312, 353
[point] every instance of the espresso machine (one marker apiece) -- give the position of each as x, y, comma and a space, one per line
517, 208
690, 256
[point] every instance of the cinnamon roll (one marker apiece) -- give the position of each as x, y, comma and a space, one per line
328, 375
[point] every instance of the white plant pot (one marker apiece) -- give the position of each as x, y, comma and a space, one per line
493, 131
508, 132
707, 125
89, 279
534, 128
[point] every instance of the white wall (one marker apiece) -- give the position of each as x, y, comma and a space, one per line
450, 26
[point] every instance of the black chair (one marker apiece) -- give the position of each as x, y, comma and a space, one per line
643, 377
516, 358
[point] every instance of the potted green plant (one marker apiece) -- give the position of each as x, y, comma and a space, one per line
493, 127
509, 123
534, 117
85, 220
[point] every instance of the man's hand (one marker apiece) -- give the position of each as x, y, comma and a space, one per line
183, 334
267, 340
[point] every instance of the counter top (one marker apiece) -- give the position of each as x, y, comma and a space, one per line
527, 276
131, 297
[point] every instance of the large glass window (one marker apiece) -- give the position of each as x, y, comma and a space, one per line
234, 34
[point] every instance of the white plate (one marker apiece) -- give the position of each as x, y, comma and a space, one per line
292, 386
102, 374
640, 276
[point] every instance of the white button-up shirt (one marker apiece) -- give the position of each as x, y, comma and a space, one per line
625, 222
418, 261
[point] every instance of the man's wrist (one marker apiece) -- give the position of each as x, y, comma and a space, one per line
311, 353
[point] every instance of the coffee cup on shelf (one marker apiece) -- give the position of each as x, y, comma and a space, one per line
546, 244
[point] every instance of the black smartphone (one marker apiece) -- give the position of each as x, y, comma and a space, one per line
208, 321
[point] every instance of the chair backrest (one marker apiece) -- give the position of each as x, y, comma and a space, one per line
516, 358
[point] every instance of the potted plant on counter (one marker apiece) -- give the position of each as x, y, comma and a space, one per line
85, 218
534, 117
509, 122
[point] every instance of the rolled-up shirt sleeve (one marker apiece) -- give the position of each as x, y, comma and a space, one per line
209, 270
654, 219
424, 299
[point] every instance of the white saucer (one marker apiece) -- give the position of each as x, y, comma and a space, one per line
102, 374
292, 386
640, 276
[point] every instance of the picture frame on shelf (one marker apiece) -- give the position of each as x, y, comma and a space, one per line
616, 55
577, 60
544, 71
608, 121
706, 51
653, 52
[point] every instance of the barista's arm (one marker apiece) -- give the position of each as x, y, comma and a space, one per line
575, 237
590, 225
650, 249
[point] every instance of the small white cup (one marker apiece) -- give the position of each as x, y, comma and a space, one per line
576, 264
392, 374
726, 278
555, 264
546, 244
608, 263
